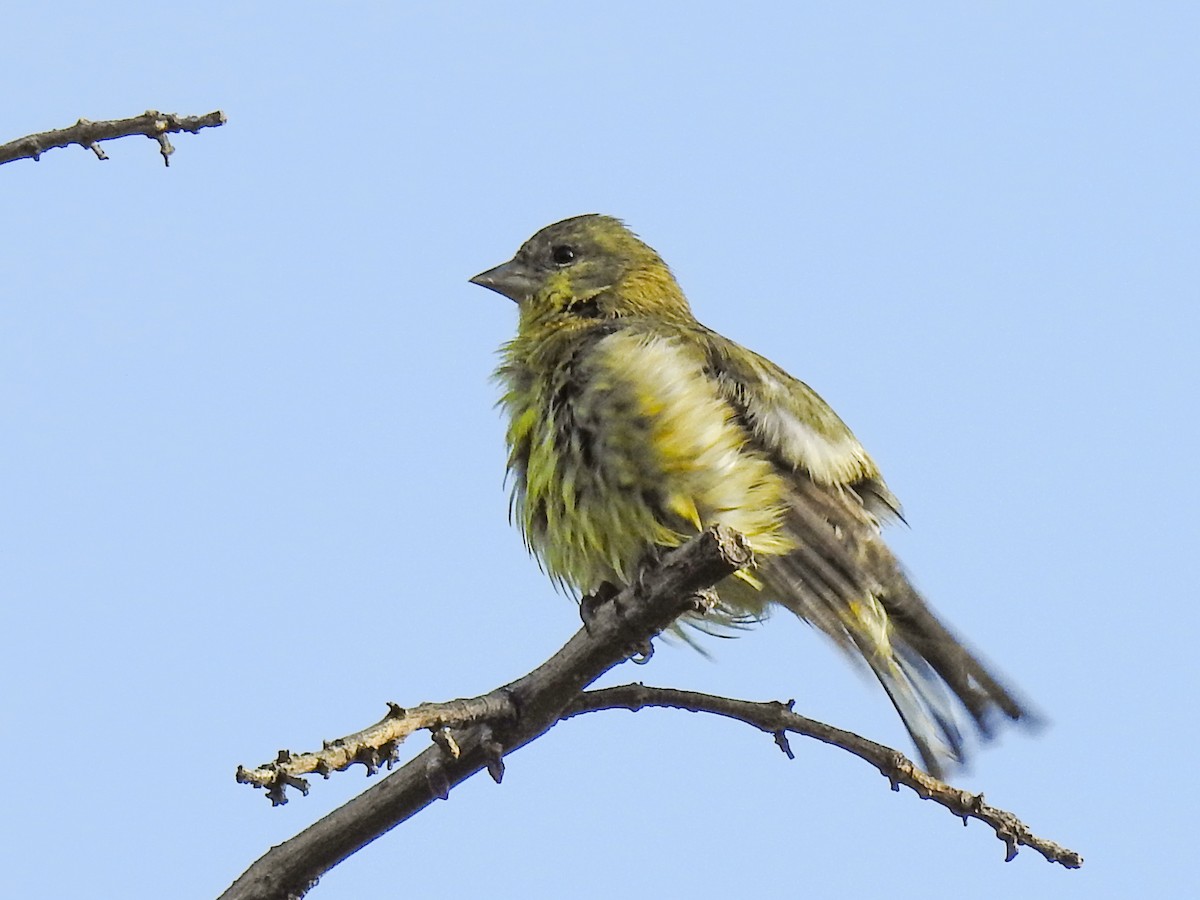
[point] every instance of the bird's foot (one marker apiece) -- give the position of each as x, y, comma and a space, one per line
589, 607
589, 604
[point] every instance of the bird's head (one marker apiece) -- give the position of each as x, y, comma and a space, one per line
587, 267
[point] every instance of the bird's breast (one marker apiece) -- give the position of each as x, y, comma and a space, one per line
623, 444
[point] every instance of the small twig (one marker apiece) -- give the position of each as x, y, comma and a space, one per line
374, 746
152, 124
776, 719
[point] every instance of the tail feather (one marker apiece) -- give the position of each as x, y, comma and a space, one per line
843, 579
921, 699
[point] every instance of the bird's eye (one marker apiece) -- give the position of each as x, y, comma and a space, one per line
563, 255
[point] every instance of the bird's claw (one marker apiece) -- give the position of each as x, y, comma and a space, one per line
649, 562
589, 604
640, 654
589, 607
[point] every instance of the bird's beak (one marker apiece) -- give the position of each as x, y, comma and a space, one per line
510, 279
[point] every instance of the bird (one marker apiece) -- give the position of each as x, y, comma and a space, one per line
631, 427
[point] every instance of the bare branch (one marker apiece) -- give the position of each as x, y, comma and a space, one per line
777, 719
539, 698
152, 124
477, 733
374, 746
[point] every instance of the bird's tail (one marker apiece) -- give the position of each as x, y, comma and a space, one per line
844, 580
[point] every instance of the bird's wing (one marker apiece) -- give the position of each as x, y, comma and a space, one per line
840, 576
795, 426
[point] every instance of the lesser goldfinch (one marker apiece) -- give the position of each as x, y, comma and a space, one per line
632, 427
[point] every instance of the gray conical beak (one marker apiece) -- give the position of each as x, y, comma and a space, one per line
510, 279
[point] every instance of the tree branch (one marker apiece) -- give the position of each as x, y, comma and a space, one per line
376, 745
777, 719
477, 733
152, 124
538, 700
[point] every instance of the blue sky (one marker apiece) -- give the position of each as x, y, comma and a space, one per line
251, 470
